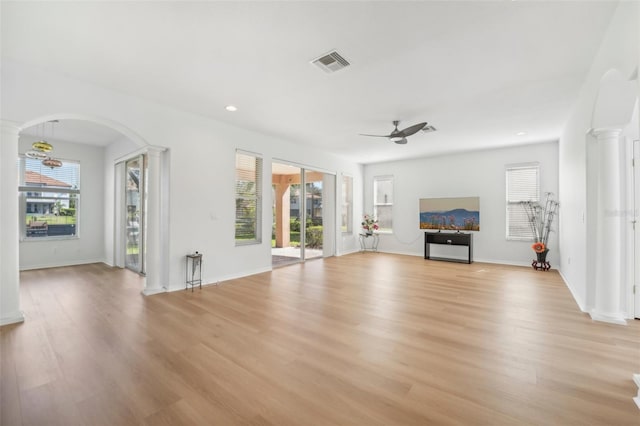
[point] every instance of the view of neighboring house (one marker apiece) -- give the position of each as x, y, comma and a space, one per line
313, 204
44, 202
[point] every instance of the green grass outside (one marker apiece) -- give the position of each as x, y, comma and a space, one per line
51, 219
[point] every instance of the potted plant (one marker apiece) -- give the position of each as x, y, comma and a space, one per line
540, 219
369, 224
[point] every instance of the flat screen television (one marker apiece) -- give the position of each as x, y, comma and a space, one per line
452, 214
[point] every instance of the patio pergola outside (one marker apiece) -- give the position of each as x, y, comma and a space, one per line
282, 183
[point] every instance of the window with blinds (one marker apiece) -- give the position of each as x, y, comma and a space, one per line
49, 199
383, 202
248, 198
347, 204
523, 184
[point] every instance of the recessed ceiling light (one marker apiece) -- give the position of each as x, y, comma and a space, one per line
231, 108
521, 133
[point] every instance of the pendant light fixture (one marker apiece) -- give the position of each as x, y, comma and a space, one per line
52, 162
42, 146
41, 149
36, 155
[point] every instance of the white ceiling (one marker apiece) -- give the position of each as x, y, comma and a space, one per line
480, 72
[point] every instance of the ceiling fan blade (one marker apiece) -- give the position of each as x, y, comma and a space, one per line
413, 129
402, 141
376, 136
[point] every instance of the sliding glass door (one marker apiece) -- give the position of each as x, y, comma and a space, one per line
299, 229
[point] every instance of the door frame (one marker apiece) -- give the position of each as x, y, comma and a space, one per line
328, 199
120, 211
636, 226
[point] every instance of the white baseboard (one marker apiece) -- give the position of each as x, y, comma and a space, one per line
504, 262
151, 292
239, 275
494, 261
184, 288
61, 264
12, 319
218, 280
402, 253
612, 319
344, 253
581, 305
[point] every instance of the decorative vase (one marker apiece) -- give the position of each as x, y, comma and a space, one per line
369, 233
542, 256
540, 263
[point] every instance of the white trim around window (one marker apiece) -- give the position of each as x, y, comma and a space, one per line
383, 202
248, 198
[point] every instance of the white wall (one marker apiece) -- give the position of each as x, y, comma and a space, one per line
88, 247
201, 157
578, 173
480, 173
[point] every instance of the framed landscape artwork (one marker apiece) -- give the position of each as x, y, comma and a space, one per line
453, 214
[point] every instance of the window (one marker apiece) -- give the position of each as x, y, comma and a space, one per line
347, 204
49, 199
523, 184
248, 198
383, 202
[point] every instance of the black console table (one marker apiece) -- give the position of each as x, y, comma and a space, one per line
450, 239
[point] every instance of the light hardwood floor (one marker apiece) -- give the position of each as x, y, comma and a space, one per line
363, 339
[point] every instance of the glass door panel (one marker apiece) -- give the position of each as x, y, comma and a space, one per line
134, 195
287, 232
313, 211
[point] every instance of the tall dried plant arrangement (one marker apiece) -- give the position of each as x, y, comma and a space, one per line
540, 219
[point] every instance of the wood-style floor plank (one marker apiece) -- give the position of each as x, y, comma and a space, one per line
363, 339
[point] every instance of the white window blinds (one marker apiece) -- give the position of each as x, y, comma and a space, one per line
248, 198
65, 178
523, 184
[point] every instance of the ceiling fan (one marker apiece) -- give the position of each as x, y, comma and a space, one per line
400, 136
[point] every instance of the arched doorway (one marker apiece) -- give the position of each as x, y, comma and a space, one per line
10, 209
85, 149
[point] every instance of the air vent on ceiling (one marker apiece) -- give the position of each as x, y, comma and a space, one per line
331, 62
428, 129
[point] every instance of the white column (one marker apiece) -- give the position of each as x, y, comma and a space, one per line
609, 227
9, 233
153, 248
